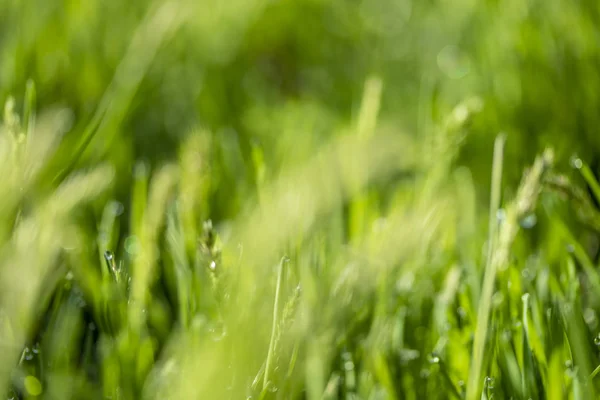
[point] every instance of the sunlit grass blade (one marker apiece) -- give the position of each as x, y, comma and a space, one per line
484, 303
276, 311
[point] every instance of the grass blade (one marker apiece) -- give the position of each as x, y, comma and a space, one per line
485, 300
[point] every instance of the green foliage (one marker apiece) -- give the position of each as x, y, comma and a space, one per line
291, 199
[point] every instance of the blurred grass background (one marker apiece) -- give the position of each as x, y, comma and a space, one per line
294, 196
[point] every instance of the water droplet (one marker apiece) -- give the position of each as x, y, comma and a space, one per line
576, 162
69, 276
213, 265
110, 264
116, 208
36, 348
349, 365
27, 354
132, 245
568, 364
597, 340
434, 359
490, 382
528, 222
425, 373
501, 214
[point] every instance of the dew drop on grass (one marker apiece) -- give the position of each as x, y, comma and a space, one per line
576, 162
489, 382
117, 208
434, 359
425, 374
132, 245
597, 340
568, 364
528, 222
28, 354
501, 215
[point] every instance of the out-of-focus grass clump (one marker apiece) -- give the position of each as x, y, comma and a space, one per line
308, 199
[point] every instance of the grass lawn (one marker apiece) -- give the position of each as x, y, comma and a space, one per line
299, 199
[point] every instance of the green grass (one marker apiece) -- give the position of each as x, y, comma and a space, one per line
301, 199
